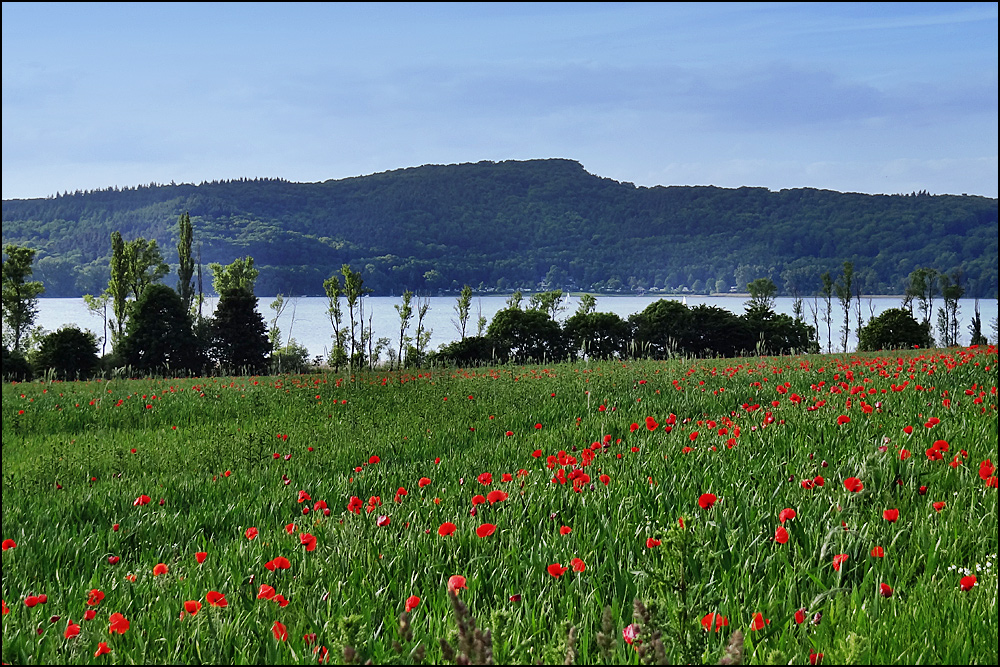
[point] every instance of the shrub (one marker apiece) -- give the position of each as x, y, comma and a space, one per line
892, 330
69, 352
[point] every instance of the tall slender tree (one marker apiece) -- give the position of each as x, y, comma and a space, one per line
405, 315
20, 295
336, 314
844, 289
185, 268
463, 309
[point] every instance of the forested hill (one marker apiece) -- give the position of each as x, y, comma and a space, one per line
517, 224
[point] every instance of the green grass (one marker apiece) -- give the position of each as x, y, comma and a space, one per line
351, 590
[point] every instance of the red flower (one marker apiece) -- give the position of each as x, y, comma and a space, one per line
486, 530
373, 460
538, 427
556, 570
95, 597
455, 582
630, 632
142, 500
967, 583
280, 631
578, 565
119, 624
496, 496
159, 569
838, 559
786, 514
878, 552
938, 506
535, 454
565, 530
72, 630
853, 484
216, 599
265, 592
650, 543
10, 544
309, 541
485, 478
251, 533
88, 615
279, 563
800, 616
651, 424
424, 481
843, 419
478, 499
192, 607
303, 496
780, 535
355, 504
412, 602
885, 590
382, 521
102, 648
890, 515
605, 480
718, 621
447, 528
706, 500
758, 622
815, 658
986, 470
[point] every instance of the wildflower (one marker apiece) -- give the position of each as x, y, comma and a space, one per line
885, 590
496, 496
890, 515
485, 530
354, 505
119, 624
201, 556
938, 506
556, 570
102, 648
853, 484
485, 478
424, 481
192, 607
838, 560
758, 622
786, 514
565, 530
651, 543
251, 533
265, 592
95, 597
706, 500
456, 582
309, 541
878, 552
478, 499
578, 565
780, 535
279, 563
72, 630
280, 631
142, 500
630, 632
159, 569
967, 583
800, 616
382, 521
447, 528
216, 599
815, 658
8, 544
718, 621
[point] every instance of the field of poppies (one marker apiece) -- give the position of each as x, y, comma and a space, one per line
820, 509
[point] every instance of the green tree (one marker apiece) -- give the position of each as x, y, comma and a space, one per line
239, 335
118, 287
551, 303
844, 289
526, 335
98, 306
463, 309
331, 286
894, 329
20, 296
239, 276
185, 268
976, 328
762, 293
405, 312
159, 336
588, 304
826, 291
597, 335
69, 353
661, 329
354, 291
135, 265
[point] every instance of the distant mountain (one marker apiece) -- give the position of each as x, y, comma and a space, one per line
517, 224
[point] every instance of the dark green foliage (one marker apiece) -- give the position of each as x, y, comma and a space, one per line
71, 354
20, 295
894, 329
714, 331
778, 333
519, 224
470, 351
185, 260
15, 366
597, 335
660, 330
239, 335
523, 335
159, 337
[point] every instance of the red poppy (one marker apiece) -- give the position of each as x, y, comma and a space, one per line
280, 631
251, 533
651, 424
10, 544
424, 481
455, 582
890, 515
986, 471
713, 620
556, 570
938, 506
373, 460
516, 597
159, 569
102, 648
192, 607
142, 500
279, 563
485, 478
815, 658
72, 629
216, 599
651, 543
496, 496
538, 426
853, 484
95, 597
382, 521
786, 514
565, 530
706, 500
89, 615
412, 602
885, 590
780, 535
447, 528
119, 624
800, 616
265, 592
478, 499
535, 454
878, 552
578, 565
201, 556
758, 622
967, 583
486, 530
309, 541
354, 505
605, 480
630, 632
907, 430
838, 560
280, 599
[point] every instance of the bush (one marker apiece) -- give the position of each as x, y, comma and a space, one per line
15, 367
894, 329
70, 353
472, 351
292, 358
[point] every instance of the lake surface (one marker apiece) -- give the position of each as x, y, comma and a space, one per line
305, 318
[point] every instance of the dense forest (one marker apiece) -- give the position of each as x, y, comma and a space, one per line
539, 224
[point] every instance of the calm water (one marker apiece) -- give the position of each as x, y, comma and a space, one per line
305, 318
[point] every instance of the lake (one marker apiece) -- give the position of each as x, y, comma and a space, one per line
305, 318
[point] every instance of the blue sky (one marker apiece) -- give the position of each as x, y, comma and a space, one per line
878, 98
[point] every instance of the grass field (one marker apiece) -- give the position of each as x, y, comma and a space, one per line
823, 509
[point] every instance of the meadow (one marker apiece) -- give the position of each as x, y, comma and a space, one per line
813, 509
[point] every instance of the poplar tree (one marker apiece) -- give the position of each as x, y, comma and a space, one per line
185, 268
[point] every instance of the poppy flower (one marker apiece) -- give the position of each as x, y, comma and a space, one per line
496, 496
758, 622
780, 535
6, 609
706, 500
280, 631
967, 583
938, 506
630, 632
424, 481
31, 601
786, 514
102, 648
853, 484
565, 530
89, 615
447, 528
72, 630
265, 592
605, 480
538, 427
718, 621
303, 496
382, 521
455, 582
251, 533
478, 499
119, 624
142, 500
279, 563
9, 544
535, 454
355, 504
651, 543
159, 569
309, 541
878, 552
373, 460
815, 658
192, 607
838, 560
216, 599
556, 570
201, 556
485, 478
885, 590
412, 602
890, 515
578, 565
95, 597
486, 530
113, 559
800, 616
843, 419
